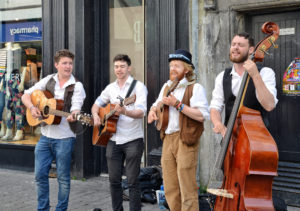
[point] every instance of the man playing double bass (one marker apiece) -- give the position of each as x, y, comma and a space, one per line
261, 91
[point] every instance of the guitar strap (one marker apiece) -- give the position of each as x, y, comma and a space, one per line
132, 85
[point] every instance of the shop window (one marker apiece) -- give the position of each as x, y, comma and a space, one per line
20, 66
126, 21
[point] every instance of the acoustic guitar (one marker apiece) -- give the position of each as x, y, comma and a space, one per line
162, 110
102, 133
51, 110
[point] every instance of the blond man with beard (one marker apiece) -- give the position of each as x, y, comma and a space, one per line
261, 91
188, 109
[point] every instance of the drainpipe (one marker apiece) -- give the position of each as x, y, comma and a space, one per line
195, 34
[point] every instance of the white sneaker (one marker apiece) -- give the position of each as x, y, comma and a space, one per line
8, 135
2, 131
19, 135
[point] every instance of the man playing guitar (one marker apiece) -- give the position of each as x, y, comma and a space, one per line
188, 108
56, 141
127, 143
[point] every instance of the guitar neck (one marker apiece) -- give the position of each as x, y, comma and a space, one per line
127, 101
112, 112
59, 113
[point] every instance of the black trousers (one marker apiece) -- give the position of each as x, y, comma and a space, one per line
116, 155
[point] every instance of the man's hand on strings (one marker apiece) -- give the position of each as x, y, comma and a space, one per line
96, 119
35, 112
170, 100
120, 109
72, 116
152, 115
251, 68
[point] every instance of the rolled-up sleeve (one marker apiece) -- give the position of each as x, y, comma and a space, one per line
268, 76
104, 97
199, 100
141, 97
78, 97
217, 101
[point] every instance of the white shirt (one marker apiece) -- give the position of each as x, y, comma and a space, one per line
217, 102
198, 100
128, 129
61, 130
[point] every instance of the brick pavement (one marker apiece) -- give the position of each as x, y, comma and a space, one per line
17, 193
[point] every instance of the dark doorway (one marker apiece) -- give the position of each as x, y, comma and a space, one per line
167, 29
285, 119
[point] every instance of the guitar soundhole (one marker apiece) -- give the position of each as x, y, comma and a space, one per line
46, 110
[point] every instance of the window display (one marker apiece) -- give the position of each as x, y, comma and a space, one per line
20, 67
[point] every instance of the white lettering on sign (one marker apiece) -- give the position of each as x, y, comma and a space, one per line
287, 31
28, 30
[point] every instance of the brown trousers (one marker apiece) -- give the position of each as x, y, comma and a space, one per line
179, 164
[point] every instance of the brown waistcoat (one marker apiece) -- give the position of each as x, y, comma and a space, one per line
67, 100
190, 129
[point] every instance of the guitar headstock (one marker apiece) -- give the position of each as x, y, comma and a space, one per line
129, 100
85, 119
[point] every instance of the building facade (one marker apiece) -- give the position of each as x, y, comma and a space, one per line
217, 21
95, 31
148, 30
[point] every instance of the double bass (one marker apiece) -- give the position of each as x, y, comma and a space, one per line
249, 155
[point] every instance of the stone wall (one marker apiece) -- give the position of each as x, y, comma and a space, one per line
212, 25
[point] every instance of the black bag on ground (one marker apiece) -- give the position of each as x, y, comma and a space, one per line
207, 202
150, 180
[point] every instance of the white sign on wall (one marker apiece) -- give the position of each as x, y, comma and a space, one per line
287, 31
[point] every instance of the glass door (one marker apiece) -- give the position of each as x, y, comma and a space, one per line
126, 22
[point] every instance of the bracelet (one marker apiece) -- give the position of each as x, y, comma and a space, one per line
178, 106
176, 103
181, 108
31, 107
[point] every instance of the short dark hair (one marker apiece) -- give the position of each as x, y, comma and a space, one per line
248, 37
63, 53
122, 57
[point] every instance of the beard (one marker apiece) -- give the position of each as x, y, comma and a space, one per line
240, 59
178, 76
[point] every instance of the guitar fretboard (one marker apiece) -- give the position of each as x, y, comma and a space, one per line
59, 113
112, 112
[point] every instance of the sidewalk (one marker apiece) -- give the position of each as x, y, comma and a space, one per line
17, 193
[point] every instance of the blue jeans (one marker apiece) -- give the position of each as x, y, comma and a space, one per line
130, 152
46, 150
2, 104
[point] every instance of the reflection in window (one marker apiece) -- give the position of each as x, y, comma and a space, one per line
20, 66
126, 19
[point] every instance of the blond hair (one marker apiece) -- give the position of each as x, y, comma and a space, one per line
190, 75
